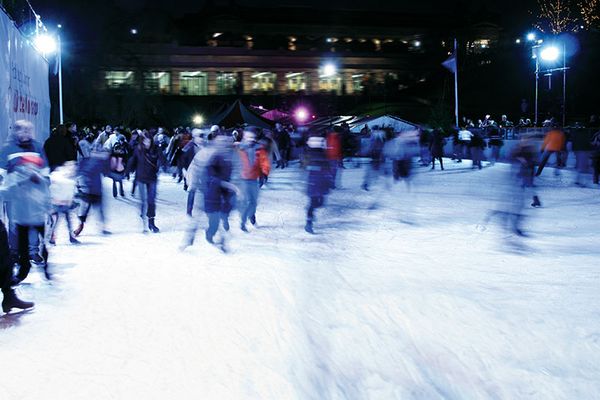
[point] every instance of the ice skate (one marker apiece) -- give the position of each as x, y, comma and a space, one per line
11, 301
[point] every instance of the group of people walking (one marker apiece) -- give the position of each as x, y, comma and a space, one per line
220, 170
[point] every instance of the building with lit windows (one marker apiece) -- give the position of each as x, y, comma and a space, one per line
296, 55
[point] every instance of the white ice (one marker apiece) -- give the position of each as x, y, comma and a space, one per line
398, 296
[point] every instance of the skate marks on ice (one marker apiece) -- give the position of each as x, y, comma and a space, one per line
14, 318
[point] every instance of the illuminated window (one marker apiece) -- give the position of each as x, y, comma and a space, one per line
119, 79
330, 83
296, 81
226, 83
478, 46
263, 81
157, 82
193, 83
357, 82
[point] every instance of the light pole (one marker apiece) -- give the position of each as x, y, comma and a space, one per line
60, 89
548, 54
48, 44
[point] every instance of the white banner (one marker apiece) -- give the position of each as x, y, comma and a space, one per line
23, 83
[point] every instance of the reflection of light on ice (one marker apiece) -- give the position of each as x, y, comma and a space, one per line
369, 308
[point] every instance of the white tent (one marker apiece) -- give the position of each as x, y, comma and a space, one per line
384, 121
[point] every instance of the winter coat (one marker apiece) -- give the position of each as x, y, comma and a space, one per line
581, 139
59, 149
196, 171
85, 148
554, 141
437, 144
254, 160
334, 146
112, 140
402, 147
145, 164
283, 139
218, 170
27, 185
477, 142
189, 152
91, 170
319, 172
62, 188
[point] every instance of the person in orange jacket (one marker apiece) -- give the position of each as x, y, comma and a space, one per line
334, 153
255, 165
554, 143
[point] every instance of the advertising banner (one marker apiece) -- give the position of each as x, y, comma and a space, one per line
24, 91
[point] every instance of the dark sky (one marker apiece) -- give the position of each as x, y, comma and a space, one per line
83, 17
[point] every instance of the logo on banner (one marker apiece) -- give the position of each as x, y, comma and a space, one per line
22, 102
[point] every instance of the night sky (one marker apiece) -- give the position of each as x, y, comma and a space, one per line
83, 18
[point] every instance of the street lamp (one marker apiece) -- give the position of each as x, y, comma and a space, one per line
329, 69
530, 37
49, 44
549, 54
198, 119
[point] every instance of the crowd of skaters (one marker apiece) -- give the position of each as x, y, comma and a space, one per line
221, 170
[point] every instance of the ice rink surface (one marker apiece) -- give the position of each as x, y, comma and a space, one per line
399, 295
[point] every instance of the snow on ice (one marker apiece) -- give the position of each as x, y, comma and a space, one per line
399, 295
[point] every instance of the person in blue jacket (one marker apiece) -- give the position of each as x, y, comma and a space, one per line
90, 173
318, 168
26, 189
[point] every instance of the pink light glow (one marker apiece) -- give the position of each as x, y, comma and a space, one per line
301, 114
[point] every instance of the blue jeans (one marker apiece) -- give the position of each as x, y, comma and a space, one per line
148, 198
213, 224
248, 208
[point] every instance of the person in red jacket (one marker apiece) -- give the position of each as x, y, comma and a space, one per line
255, 164
334, 153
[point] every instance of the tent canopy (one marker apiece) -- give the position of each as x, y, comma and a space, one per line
276, 115
384, 121
238, 114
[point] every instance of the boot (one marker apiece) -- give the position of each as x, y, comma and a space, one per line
309, 226
78, 230
151, 226
253, 219
12, 301
536, 202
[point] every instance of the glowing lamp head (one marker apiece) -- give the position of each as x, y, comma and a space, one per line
531, 37
550, 53
45, 43
329, 69
301, 114
197, 119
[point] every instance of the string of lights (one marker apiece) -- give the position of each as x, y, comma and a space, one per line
558, 16
589, 13
555, 16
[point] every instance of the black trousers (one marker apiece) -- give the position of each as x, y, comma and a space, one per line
545, 158
315, 202
23, 248
5, 259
